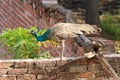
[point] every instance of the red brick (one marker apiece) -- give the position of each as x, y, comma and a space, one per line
90, 61
86, 75
26, 77
36, 71
93, 67
8, 77
21, 16
39, 77
12, 16
14, 13
101, 78
24, 64
8, 13
17, 71
7, 10
81, 61
46, 63
5, 17
24, 7
2, 23
61, 62
3, 71
20, 6
80, 69
50, 69
110, 78
66, 76
6, 64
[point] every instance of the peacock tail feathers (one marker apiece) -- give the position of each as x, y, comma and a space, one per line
48, 43
41, 32
54, 43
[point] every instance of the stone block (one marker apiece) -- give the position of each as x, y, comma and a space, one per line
17, 71
24, 64
61, 62
86, 75
3, 71
36, 71
6, 64
39, 77
80, 69
47, 63
50, 69
26, 77
81, 61
8, 77
100, 78
93, 68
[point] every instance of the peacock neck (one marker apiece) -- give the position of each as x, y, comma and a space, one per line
39, 38
43, 37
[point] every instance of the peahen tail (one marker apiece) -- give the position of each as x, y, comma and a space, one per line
84, 42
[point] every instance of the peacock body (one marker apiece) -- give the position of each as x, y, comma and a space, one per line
65, 30
61, 31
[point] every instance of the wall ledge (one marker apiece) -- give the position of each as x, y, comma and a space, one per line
72, 68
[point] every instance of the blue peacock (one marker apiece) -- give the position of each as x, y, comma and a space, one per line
61, 31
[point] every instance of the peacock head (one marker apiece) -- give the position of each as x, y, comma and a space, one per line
33, 32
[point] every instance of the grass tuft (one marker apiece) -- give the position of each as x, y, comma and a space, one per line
110, 25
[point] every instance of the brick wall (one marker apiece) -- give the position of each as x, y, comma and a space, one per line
27, 13
54, 69
13, 13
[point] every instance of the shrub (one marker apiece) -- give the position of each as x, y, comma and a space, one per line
20, 42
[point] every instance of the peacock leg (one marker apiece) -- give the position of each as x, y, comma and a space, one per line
63, 49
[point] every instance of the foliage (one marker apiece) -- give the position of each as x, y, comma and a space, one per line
21, 43
111, 26
45, 54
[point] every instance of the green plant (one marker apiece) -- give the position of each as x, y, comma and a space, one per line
20, 42
111, 26
45, 54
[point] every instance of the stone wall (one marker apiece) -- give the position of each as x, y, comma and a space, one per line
54, 69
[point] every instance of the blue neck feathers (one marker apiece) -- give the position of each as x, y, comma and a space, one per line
43, 37
39, 38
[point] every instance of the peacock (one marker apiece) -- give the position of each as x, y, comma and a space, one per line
62, 31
